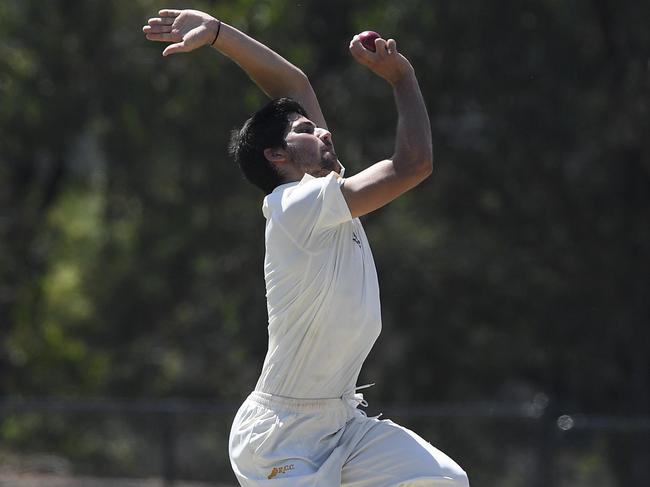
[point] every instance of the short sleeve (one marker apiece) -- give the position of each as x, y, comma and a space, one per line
312, 208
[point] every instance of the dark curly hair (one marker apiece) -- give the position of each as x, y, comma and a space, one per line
266, 129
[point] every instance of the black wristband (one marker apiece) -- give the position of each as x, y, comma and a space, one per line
215, 37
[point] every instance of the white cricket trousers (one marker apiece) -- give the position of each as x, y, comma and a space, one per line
289, 442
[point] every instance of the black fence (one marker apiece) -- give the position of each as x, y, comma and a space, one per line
499, 444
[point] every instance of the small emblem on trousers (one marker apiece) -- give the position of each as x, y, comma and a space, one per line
278, 470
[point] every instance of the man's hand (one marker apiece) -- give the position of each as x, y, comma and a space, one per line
385, 61
187, 29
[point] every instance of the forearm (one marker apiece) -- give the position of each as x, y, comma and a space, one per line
188, 30
411, 162
413, 146
274, 75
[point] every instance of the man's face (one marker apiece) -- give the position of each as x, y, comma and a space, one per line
309, 148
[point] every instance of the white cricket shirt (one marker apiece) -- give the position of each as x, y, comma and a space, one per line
321, 289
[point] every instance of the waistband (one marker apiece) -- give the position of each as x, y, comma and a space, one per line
295, 404
350, 399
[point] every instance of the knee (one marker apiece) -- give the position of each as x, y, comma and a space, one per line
457, 478
460, 479
455, 475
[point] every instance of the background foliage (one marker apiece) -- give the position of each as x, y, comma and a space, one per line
131, 248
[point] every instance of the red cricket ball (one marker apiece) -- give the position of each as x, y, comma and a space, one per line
367, 39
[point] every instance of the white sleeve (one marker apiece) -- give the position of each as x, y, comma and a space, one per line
312, 208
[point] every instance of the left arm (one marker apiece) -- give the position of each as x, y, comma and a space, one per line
188, 30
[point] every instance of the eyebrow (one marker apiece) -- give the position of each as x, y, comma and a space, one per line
303, 123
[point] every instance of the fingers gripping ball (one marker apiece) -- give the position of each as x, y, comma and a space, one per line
367, 39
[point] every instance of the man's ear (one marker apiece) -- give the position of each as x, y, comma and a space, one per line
275, 156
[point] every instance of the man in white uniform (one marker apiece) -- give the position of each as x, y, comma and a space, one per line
301, 425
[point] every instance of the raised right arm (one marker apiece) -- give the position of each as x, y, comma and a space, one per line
412, 160
188, 30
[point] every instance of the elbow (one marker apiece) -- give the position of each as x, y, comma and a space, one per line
414, 168
415, 160
426, 167
423, 167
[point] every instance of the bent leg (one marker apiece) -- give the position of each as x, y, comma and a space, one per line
390, 455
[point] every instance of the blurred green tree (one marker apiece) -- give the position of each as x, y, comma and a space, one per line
131, 249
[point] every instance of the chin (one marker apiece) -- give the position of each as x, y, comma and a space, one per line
332, 164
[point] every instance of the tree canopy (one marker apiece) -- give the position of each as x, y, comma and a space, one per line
131, 248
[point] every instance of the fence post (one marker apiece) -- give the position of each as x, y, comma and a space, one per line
168, 447
546, 447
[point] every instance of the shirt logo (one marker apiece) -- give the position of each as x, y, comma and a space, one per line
356, 239
278, 470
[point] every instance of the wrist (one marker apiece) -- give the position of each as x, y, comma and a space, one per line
214, 26
405, 77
